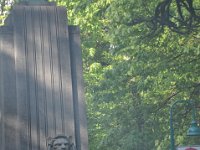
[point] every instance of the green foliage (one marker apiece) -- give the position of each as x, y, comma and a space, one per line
5, 6
131, 80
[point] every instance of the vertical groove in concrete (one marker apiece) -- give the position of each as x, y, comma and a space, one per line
21, 77
78, 91
8, 109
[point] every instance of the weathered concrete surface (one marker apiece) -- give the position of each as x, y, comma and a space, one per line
41, 83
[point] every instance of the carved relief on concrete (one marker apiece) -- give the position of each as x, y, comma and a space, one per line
61, 142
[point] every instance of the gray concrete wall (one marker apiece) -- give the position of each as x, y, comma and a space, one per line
41, 79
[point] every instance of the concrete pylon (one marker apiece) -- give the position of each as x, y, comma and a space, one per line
41, 82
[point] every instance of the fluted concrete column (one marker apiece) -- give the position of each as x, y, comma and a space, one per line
41, 79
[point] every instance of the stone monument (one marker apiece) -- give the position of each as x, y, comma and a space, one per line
41, 84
